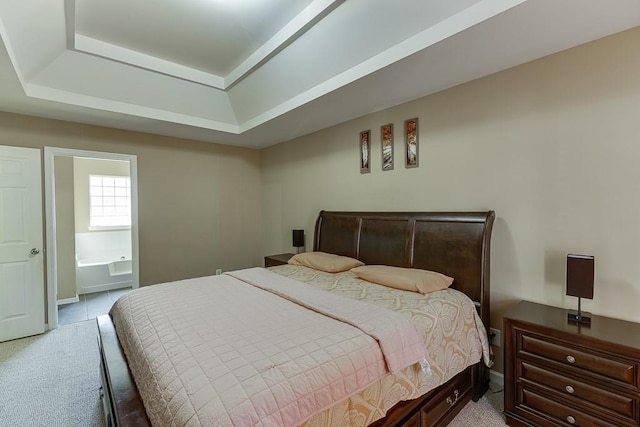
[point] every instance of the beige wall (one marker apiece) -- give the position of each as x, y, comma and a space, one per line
65, 228
82, 168
199, 203
552, 146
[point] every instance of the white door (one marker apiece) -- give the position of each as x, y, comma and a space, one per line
21, 260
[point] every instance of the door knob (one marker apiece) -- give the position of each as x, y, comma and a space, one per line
35, 251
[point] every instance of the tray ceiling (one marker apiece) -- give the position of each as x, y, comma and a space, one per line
257, 72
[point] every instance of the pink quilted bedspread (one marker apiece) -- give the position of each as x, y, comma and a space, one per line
254, 348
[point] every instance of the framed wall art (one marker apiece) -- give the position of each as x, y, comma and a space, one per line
365, 151
386, 140
411, 143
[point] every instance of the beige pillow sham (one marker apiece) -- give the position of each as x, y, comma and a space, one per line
323, 261
407, 279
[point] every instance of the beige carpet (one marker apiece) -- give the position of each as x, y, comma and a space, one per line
486, 412
53, 380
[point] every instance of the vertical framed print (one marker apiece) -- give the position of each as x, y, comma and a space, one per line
411, 143
365, 151
386, 141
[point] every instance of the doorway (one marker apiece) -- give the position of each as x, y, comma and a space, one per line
78, 273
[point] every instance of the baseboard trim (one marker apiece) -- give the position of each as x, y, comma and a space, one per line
68, 300
105, 287
496, 380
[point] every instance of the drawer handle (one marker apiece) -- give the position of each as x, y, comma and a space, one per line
571, 359
569, 389
571, 420
451, 401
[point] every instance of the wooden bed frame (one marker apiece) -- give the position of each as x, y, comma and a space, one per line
453, 243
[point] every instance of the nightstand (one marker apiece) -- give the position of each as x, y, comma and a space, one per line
273, 260
559, 373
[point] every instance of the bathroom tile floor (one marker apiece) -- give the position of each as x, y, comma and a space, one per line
89, 306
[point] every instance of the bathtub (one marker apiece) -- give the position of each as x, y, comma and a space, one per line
103, 274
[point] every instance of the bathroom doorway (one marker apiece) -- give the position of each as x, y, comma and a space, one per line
92, 239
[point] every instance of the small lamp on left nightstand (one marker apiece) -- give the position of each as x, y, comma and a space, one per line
298, 240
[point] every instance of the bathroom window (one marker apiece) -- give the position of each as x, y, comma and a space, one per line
110, 201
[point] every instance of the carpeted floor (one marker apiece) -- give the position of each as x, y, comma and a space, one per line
486, 412
53, 379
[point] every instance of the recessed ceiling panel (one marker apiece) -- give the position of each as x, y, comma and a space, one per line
214, 36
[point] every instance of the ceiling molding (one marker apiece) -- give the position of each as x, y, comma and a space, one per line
312, 72
70, 22
58, 95
127, 56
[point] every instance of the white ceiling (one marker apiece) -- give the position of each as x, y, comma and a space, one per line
257, 72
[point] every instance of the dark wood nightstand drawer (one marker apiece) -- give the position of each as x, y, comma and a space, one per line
624, 405
562, 414
591, 362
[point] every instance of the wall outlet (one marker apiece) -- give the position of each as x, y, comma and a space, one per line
495, 337
218, 271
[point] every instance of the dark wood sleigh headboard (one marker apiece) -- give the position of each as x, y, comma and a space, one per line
453, 243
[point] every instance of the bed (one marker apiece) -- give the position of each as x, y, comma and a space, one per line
456, 244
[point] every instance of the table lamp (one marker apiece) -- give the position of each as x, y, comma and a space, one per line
580, 272
298, 240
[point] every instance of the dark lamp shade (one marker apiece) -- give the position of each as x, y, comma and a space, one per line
298, 238
580, 271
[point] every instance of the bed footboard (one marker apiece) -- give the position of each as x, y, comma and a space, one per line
120, 399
